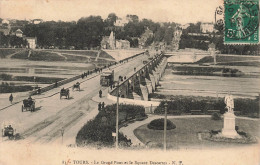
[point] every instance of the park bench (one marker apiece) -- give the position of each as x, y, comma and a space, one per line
237, 113
210, 112
196, 112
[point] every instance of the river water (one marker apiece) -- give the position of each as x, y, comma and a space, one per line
215, 86
45, 69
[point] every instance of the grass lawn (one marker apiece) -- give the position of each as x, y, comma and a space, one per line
185, 135
248, 63
5, 52
39, 56
79, 52
76, 58
105, 55
230, 60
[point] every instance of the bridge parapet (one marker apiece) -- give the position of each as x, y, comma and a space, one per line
142, 82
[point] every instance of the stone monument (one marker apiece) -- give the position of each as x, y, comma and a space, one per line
212, 50
229, 119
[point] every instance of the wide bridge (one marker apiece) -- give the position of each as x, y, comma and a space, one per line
136, 88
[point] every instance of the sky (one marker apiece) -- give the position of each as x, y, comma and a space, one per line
179, 11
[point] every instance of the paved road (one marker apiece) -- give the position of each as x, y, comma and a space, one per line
54, 114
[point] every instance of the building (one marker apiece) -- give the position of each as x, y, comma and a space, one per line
5, 27
18, 33
148, 33
185, 26
5, 21
122, 44
207, 27
32, 42
176, 38
120, 22
5, 31
37, 21
109, 42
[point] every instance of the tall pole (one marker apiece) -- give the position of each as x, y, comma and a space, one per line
117, 111
165, 126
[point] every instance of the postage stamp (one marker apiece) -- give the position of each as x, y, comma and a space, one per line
241, 21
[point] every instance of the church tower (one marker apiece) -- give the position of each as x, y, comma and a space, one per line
112, 40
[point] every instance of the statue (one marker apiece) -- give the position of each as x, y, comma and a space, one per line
229, 130
229, 101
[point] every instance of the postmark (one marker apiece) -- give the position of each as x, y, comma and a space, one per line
241, 21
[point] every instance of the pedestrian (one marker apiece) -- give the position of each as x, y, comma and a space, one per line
134, 69
11, 98
39, 91
99, 106
111, 86
82, 76
100, 93
103, 106
56, 84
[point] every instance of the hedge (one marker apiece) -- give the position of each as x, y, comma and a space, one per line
158, 124
247, 107
10, 88
126, 111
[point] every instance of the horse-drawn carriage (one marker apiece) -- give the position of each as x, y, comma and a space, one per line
28, 105
76, 86
65, 92
8, 131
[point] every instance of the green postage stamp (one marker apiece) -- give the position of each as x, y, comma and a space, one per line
241, 21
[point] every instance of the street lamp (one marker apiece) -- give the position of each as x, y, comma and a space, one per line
165, 126
117, 111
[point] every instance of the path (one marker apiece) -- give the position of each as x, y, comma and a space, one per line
59, 54
86, 56
11, 55
98, 55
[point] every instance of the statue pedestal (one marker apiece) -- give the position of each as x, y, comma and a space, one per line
229, 126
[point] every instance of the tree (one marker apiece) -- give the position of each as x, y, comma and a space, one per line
17, 41
88, 32
3, 40
111, 19
168, 35
133, 29
150, 24
159, 34
149, 41
133, 18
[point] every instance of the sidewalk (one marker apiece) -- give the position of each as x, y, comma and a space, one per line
104, 98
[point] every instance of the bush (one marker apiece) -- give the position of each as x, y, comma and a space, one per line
158, 124
5, 77
126, 111
99, 130
215, 116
